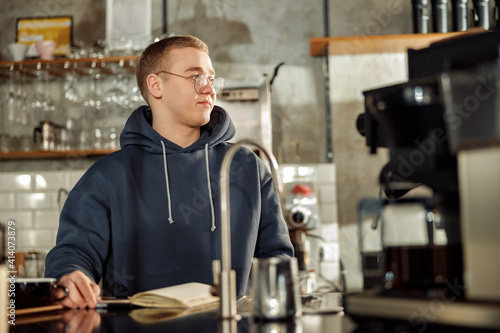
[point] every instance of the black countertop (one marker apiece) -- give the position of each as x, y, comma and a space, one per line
330, 319
121, 321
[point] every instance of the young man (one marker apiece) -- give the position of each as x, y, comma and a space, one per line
148, 215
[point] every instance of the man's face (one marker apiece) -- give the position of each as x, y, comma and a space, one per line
184, 106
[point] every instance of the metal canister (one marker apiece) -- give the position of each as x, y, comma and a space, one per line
482, 13
31, 264
420, 16
460, 15
440, 15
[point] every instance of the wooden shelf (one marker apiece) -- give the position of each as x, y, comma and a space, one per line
58, 66
378, 44
30, 155
34, 62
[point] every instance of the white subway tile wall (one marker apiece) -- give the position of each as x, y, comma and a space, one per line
31, 200
326, 264
7, 200
327, 195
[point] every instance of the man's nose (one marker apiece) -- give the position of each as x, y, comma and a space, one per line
209, 88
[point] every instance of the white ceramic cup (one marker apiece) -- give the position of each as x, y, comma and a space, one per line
17, 51
46, 49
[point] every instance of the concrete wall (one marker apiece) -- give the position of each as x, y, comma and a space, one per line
248, 38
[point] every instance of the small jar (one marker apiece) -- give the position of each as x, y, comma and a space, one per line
31, 264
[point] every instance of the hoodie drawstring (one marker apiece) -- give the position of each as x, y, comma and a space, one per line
209, 188
165, 167
170, 219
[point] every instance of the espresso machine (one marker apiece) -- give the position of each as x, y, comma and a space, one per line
301, 210
433, 259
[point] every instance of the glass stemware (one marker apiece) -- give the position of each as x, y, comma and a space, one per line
72, 92
40, 104
116, 97
93, 107
16, 118
99, 50
78, 50
72, 99
95, 112
23, 116
9, 102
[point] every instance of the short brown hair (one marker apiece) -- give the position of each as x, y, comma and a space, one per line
156, 53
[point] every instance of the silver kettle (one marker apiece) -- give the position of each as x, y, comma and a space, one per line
47, 135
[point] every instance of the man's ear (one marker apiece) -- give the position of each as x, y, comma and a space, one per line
154, 85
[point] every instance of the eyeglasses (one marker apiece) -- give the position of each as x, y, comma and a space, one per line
201, 82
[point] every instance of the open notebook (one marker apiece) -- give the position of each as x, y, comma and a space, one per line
176, 298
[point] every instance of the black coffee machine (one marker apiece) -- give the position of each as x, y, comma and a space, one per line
442, 131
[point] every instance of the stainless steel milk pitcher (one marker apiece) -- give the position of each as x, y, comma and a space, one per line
275, 288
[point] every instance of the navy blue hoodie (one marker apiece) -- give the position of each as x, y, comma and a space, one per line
148, 215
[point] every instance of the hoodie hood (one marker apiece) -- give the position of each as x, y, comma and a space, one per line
138, 131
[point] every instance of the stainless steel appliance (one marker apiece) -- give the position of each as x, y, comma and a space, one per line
301, 210
248, 102
442, 130
275, 288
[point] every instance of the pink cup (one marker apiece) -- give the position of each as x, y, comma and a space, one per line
46, 49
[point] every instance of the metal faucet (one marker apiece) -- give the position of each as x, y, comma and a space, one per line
225, 277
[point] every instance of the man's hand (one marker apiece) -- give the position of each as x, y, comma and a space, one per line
82, 292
